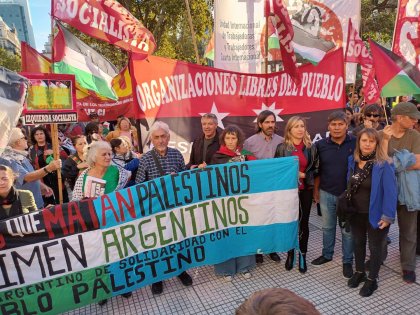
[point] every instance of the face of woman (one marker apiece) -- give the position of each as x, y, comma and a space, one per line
349, 116
367, 144
6, 182
122, 149
80, 144
124, 125
39, 136
298, 130
231, 141
103, 157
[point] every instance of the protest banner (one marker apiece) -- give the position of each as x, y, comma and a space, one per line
106, 20
179, 93
239, 29
406, 41
82, 252
51, 99
34, 62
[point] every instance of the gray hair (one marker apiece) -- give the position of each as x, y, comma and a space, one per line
210, 116
15, 135
159, 125
92, 151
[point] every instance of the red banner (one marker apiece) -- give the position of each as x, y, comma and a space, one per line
357, 52
407, 32
106, 20
176, 91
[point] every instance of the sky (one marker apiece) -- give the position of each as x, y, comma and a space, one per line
41, 22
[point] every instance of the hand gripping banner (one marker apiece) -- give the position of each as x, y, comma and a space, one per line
82, 252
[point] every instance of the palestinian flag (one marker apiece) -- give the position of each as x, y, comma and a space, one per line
308, 46
209, 53
33, 61
93, 72
396, 76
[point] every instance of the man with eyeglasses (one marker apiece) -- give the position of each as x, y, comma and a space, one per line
370, 115
15, 156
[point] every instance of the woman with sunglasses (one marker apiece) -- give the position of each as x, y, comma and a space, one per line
371, 115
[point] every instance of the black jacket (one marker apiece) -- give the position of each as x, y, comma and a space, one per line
311, 155
196, 156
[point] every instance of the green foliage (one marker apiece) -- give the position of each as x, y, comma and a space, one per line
168, 22
9, 60
378, 20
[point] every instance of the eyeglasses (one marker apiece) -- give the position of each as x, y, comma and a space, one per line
372, 115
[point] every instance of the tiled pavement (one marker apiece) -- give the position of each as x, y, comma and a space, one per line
324, 286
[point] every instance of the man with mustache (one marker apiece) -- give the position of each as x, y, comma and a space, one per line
263, 145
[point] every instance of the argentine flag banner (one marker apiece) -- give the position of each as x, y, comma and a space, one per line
78, 253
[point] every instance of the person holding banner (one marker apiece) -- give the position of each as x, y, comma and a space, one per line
372, 190
231, 142
297, 142
16, 157
41, 154
124, 157
101, 177
13, 202
160, 161
206, 144
263, 145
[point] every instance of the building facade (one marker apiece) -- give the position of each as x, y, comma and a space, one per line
16, 14
8, 38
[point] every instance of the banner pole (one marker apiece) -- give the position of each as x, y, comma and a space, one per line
54, 127
266, 46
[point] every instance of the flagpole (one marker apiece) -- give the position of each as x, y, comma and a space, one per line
54, 127
266, 46
197, 56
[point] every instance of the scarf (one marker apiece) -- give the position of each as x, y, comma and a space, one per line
11, 199
359, 178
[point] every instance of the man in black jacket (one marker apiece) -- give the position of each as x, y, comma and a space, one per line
207, 144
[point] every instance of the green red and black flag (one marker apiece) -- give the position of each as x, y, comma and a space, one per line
397, 76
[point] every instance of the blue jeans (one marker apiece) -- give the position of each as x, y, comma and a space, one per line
328, 204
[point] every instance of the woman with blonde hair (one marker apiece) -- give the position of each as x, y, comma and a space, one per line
372, 193
297, 142
124, 128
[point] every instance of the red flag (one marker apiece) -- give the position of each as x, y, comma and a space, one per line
357, 52
285, 34
33, 61
108, 21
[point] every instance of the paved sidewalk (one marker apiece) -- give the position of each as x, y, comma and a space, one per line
324, 286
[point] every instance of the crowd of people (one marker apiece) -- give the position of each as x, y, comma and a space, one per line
372, 165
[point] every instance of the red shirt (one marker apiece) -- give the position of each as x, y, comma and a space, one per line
303, 162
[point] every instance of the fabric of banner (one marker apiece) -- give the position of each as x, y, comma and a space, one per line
406, 41
106, 20
93, 72
357, 52
33, 61
13, 89
147, 233
179, 93
396, 76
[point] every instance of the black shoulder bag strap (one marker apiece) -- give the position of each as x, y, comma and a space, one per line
158, 165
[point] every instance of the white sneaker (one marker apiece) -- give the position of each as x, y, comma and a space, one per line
247, 274
227, 278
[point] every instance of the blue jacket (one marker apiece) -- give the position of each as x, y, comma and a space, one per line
408, 181
383, 194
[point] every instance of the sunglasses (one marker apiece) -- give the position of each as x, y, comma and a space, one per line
372, 115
